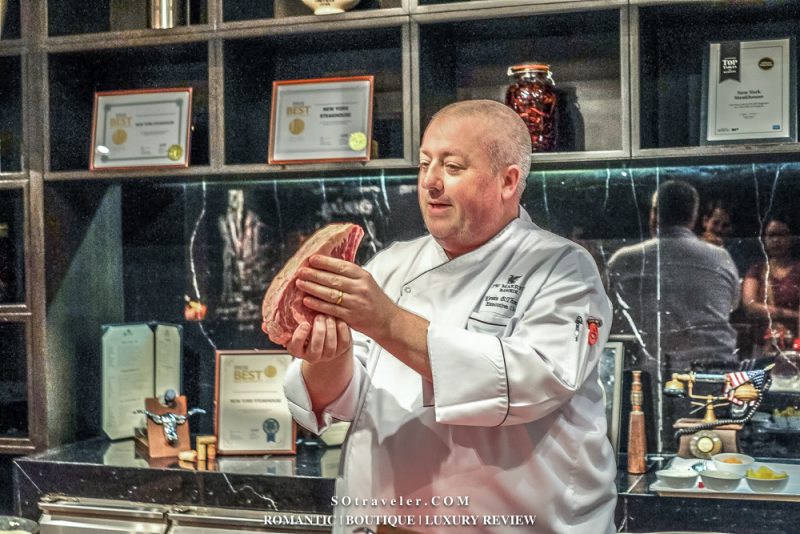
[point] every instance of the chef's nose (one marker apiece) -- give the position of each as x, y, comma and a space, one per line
432, 177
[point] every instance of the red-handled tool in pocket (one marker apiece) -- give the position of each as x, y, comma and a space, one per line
594, 329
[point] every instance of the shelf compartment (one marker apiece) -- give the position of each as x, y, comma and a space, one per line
75, 77
147, 244
71, 17
439, 6
668, 62
11, 114
251, 65
10, 21
13, 380
12, 245
245, 10
468, 59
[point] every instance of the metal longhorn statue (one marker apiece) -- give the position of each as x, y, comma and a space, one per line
170, 421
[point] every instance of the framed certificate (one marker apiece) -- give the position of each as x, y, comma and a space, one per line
321, 120
610, 371
140, 360
750, 92
141, 128
251, 414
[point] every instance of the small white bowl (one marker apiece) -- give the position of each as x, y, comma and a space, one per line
739, 468
720, 480
677, 478
767, 485
330, 7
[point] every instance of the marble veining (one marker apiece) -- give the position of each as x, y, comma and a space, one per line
86, 470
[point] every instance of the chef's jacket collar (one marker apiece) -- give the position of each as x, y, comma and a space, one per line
482, 251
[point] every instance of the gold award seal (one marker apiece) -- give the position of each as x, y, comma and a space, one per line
296, 126
270, 371
174, 152
119, 137
357, 141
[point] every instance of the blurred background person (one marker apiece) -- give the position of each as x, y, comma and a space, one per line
771, 289
675, 291
716, 223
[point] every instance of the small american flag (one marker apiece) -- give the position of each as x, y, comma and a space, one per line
734, 380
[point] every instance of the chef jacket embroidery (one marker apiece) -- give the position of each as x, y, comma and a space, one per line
502, 296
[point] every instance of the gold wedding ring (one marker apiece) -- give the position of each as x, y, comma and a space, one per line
339, 298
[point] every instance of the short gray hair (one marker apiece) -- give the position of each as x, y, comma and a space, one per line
508, 141
676, 203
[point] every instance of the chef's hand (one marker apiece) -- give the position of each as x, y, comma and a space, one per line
327, 339
347, 292
344, 290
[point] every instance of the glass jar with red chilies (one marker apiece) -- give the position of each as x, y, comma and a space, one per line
533, 96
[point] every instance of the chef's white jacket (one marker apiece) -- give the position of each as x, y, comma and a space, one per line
514, 422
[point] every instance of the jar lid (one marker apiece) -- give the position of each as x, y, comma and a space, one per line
529, 67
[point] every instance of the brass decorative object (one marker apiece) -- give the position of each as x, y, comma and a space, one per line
637, 442
709, 435
164, 14
705, 444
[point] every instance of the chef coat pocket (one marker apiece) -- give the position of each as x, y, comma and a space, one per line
487, 323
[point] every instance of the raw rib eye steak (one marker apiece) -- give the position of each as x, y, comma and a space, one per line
283, 309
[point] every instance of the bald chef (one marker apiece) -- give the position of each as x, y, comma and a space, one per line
466, 359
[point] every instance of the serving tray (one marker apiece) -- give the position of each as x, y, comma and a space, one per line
790, 493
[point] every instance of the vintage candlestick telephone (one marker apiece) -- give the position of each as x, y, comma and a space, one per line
702, 438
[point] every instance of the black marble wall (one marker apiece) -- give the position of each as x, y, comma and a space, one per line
174, 247
6, 487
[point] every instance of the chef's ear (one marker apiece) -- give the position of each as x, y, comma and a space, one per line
511, 178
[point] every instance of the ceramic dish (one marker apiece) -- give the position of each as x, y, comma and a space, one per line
763, 485
720, 480
677, 478
733, 462
776, 483
330, 7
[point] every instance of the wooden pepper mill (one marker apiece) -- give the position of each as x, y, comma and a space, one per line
637, 444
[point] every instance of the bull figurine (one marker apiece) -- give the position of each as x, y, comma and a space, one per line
170, 422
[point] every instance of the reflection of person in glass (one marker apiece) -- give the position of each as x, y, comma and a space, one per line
675, 288
243, 249
716, 223
771, 288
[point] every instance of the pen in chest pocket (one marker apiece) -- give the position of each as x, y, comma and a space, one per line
578, 323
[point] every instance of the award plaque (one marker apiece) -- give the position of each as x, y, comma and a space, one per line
142, 128
251, 413
321, 120
750, 92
